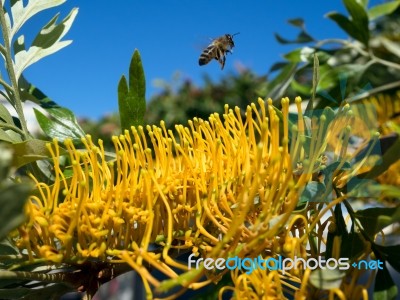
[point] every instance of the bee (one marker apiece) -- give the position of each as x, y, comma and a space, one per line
218, 48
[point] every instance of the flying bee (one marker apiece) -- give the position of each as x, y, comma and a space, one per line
218, 48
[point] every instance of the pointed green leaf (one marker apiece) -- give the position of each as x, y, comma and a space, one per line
46, 42
61, 124
350, 27
12, 202
383, 9
294, 56
21, 14
131, 100
359, 18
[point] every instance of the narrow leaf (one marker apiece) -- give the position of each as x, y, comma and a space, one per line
383, 9
348, 26
359, 18
315, 80
131, 100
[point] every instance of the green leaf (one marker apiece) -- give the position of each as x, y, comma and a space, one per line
12, 201
326, 279
375, 219
297, 22
61, 124
5, 115
45, 43
330, 77
359, 18
358, 26
383, 9
302, 37
29, 151
21, 14
363, 3
4, 136
385, 288
132, 100
294, 56
300, 88
31, 92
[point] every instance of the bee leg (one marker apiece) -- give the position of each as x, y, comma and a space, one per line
220, 56
222, 62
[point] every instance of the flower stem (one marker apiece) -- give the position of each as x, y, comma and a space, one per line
11, 72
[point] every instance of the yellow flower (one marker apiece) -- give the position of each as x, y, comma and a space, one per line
222, 187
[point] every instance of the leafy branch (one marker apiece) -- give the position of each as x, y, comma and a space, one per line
46, 42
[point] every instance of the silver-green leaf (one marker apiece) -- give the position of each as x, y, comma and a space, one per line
47, 42
21, 13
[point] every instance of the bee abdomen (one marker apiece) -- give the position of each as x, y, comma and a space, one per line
206, 56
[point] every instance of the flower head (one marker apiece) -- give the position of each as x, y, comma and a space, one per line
222, 187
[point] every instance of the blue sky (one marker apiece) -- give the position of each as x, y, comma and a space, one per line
170, 36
